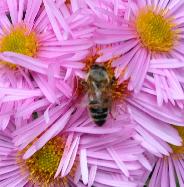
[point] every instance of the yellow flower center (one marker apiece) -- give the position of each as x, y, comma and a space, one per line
19, 40
179, 149
43, 165
155, 31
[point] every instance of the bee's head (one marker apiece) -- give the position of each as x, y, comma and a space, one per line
98, 73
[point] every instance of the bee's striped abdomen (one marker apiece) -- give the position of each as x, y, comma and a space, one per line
98, 114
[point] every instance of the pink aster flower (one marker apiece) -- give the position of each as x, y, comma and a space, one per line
151, 32
101, 152
38, 169
168, 171
29, 48
21, 36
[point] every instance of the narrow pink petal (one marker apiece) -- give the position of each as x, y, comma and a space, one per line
92, 175
143, 74
165, 63
5, 23
54, 14
70, 157
145, 162
21, 92
165, 174
84, 166
178, 6
155, 174
64, 88
25, 61
118, 161
114, 183
12, 5
148, 104
158, 90
178, 172
114, 39
53, 131
161, 130
7, 169
32, 11
65, 153
95, 130
77, 174
43, 85
20, 10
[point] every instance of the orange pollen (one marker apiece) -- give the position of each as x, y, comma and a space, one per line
119, 91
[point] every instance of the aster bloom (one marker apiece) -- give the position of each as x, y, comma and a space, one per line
108, 151
37, 170
29, 47
151, 31
168, 171
18, 36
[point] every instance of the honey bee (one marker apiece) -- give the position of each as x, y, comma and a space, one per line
99, 93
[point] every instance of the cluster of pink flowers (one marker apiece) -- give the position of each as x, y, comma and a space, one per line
47, 134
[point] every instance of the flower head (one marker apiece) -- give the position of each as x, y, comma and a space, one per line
29, 47
149, 31
39, 169
169, 168
111, 150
